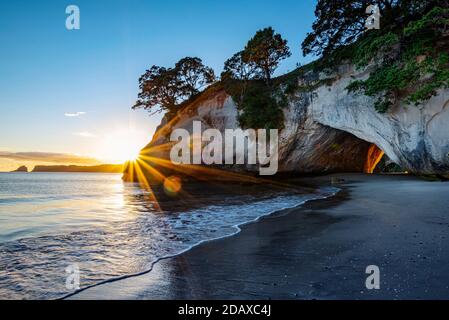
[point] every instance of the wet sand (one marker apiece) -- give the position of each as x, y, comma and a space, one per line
317, 251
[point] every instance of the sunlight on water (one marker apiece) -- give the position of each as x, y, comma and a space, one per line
53, 202
110, 228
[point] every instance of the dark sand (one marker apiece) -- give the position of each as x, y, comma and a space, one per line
317, 251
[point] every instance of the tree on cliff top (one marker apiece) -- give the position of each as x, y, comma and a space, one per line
237, 68
259, 101
266, 49
165, 89
159, 89
259, 59
342, 22
193, 75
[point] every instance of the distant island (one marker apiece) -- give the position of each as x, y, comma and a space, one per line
21, 169
104, 168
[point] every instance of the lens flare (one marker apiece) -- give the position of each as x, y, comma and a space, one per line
172, 186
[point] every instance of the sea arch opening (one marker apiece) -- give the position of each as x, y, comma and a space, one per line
373, 158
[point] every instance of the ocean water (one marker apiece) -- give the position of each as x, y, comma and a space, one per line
110, 229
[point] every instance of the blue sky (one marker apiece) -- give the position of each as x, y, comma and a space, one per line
47, 71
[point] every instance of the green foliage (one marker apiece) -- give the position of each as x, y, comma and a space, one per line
193, 75
165, 89
440, 79
262, 108
159, 86
415, 71
388, 78
372, 45
247, 78
291, 85
265, 50
340, 23
437, 17
387, 166
237, 67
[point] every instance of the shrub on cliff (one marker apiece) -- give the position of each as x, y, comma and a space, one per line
411, 67
407, 60
262, 107
165, 89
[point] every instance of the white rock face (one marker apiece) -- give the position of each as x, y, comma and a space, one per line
415, 137
331, 130
305, 146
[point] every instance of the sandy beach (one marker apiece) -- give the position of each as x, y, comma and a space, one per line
317, 251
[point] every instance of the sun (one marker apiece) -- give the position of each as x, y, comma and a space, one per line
126, 153
121, 146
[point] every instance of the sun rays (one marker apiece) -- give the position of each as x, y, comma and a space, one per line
153, 169
154, 172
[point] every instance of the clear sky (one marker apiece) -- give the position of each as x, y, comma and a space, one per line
70, 92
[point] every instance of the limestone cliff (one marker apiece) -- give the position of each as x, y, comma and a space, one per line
415, 137
328, 129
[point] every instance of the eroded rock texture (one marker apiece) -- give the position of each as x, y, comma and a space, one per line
328, 129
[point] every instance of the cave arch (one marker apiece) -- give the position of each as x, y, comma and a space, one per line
373, 157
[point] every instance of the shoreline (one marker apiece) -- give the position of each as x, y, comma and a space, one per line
238, 230
319, 250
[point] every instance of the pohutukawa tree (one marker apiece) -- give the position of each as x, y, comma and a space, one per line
159, 89
259, 100
165, 89
259, 59
193, 75
266, 50
342, 22
237, 68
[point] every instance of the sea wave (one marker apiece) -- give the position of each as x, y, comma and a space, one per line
121, 234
